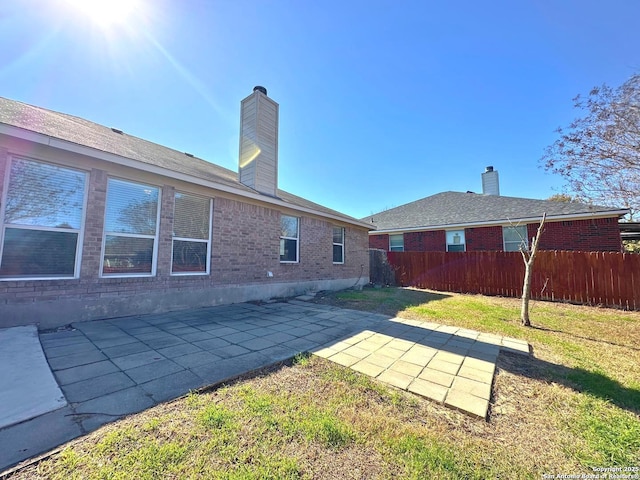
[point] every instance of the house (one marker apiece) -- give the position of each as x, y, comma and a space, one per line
97, 223
458, 222
630, 231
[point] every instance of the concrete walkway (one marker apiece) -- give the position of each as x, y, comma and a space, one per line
111, 368
33, 390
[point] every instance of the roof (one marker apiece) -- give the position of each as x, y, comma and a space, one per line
451, 209
100, 138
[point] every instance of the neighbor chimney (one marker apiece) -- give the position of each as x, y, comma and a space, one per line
490, 182
258, 161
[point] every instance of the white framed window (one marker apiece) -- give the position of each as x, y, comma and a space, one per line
191, 245
455, 241
42, 221
338, 245
513, 237
289, 234
132, 216
396, 243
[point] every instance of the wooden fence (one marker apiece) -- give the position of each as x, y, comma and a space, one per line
590, 278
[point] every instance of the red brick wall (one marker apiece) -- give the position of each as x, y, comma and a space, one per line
379, 241
430, 241
483, 238
601, 234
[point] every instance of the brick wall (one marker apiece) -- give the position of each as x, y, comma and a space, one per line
245, 246
94, 225
430, 241
483, 238
380, 241
600, 234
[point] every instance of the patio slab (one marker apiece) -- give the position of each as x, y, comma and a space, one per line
112, 368
449, 365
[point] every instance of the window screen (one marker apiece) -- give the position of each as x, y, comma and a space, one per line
455, 241
191, 234
131, 228
289, 231
514, 237
44, 209
396, 243
338, 245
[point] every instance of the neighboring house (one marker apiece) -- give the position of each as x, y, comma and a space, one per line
458, 222
96, 223
630, 231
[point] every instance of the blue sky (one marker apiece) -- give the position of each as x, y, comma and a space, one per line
381, 102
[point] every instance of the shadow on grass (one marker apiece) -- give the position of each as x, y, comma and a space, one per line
578, 379
591, 339
385, 300
391, 301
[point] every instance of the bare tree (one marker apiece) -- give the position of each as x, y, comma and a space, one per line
599, 153
529, 255
139, 216
40, 194
562, 198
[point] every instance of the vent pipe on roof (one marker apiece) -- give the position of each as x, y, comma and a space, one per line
490, 181
258, 160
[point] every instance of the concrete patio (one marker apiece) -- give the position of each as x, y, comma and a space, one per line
449, 365
111, 368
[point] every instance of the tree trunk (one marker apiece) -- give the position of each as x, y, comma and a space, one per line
529, 257
526, 294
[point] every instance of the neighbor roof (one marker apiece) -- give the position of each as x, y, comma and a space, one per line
112, 141
451, 209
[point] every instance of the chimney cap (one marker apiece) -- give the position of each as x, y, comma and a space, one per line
489, 168
260, 89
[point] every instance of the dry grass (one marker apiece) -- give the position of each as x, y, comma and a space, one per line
600, 339
573, 406
250, 435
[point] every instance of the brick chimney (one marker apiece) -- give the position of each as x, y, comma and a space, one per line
490, 182
258, 160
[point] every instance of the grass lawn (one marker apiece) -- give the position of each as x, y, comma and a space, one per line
573, 406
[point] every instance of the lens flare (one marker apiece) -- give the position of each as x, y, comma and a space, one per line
106, 13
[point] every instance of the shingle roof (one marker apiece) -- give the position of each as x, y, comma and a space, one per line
457, 208
89, 134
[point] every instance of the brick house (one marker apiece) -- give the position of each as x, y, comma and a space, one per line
96, 223
456, 221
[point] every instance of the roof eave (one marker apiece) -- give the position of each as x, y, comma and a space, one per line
68, 146
513, 221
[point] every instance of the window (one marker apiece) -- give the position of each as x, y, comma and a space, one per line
289, 232
43, 218
514, 237
130, 229
455, 241
396, 243
191, 234
338, 245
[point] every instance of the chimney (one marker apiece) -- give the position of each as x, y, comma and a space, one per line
490, 182
258, 160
